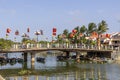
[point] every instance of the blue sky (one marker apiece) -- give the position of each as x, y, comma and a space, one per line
62, 14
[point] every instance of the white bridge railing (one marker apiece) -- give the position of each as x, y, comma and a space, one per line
57, 45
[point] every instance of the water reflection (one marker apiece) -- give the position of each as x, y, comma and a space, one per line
57, 70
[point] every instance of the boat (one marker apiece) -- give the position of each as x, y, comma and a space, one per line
40, 59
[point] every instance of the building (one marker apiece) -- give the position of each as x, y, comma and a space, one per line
115, 40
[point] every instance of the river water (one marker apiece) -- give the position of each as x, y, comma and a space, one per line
52, 69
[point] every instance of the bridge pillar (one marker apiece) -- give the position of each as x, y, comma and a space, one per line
32, 60
25, 57
78, 57
32, 57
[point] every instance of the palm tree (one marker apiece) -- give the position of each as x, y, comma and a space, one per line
91, 28
66, 32
82, 32
76, 34
59, 38
102, 28
83, 29
77, 28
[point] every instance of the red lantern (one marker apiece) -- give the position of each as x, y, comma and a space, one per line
54, 30
74, 31
8, 30
108, 35
71, 35
94, 34
80, 34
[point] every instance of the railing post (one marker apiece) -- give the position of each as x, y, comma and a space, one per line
58, 45
38, 45
78, 57
66, 45
92, 47
112, 47
48, 45
75, 45
105, 47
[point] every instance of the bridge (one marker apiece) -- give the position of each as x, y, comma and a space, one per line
57, 46
53, 49
32, 49
40, 47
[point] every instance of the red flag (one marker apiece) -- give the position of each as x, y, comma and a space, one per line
8, 30
54, 34
28, 30
54, 30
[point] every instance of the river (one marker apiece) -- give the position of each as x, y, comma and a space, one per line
52, 69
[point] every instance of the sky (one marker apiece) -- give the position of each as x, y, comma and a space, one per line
61, 14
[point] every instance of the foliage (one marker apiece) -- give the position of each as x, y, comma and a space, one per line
24, 72
26, 40
83, 29
5, 44
101, 28
43, 42
91, 28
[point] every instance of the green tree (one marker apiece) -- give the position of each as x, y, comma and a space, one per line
5, 44
83, 29
91, 28
66, 32
26, 40
102, 28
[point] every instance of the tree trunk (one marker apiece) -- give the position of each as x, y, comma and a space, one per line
98, 43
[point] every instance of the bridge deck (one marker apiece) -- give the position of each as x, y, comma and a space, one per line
57, 49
